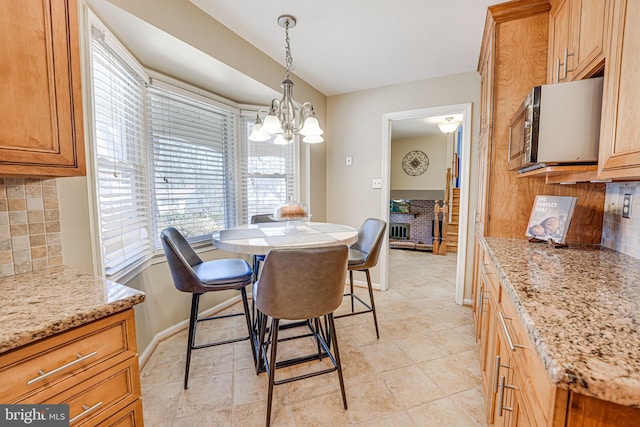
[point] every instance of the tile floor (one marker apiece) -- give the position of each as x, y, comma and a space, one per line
424, 370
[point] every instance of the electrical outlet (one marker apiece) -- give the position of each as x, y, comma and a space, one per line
626, 206
377, 183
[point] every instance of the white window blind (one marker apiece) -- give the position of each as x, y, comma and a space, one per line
267, 173
193, 158
121, 159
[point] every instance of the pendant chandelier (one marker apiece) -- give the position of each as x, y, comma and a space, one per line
286, 117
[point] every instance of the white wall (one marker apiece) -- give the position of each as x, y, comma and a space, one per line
355, 123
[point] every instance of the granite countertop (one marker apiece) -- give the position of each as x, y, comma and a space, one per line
581, 308
43, 303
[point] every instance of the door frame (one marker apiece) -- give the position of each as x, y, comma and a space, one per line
387, 119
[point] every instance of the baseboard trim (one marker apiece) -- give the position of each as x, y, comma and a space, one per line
143, 358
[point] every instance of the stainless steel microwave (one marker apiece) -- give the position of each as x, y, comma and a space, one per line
557, 124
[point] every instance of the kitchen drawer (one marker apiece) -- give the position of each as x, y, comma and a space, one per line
493, 282
130, 416
53, 364
539, 391
102, 396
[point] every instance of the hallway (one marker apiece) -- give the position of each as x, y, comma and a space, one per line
424, 370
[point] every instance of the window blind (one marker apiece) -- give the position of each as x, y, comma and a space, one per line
266, 173
121, 159
193, 158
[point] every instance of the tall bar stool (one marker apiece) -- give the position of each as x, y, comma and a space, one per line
257, 259
363, 255
300, 284
191, 274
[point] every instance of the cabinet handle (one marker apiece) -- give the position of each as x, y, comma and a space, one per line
501, 406
44, 374
566, 57
86, 411
496, 373
558, 70
512, 346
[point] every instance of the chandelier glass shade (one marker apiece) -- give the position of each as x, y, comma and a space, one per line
286, 117
448, 125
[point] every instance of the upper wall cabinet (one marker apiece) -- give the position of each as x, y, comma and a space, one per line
577, 39
41, 130
620, 134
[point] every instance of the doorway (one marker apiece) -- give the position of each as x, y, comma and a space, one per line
465, 155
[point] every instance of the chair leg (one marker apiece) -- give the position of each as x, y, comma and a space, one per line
351, 290
373, 304
195, 299
250, 330
272, 366
336, 353
262, 328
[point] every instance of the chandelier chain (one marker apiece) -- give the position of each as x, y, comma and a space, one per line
288, 57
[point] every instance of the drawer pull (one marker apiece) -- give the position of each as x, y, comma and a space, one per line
44, 374
496, 373
501, 406
512, 346
86, 411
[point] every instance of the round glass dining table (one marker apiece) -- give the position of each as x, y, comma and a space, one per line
258, 239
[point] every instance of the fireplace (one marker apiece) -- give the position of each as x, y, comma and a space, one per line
398, 230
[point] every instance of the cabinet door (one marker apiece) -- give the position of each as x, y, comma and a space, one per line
41, 130
478, 290
519, 415
486, 70
482, 193
590, 18
620, 133
559, 35
503, 377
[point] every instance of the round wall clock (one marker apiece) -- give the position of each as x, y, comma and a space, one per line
415, 163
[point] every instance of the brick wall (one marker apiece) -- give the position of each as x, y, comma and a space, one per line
421, 225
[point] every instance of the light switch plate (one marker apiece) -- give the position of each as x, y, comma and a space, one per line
377, 183
626, 206
349, 161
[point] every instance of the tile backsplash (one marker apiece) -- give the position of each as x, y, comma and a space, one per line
618, 233
30, 237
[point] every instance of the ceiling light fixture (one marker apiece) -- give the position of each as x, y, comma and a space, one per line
448, 125
286, 117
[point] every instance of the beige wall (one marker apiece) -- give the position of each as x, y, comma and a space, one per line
434, 178
355, 122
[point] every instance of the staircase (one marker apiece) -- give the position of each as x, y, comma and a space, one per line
452, 227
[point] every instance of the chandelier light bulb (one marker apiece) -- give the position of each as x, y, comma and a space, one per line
313, 139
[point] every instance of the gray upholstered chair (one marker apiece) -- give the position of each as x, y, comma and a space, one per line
191, 274
363, 255
300, 284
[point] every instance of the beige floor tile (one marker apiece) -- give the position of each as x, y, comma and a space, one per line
369, 398
423, 371
395, 419
411, 387
440, 413
449, 374
385, 356
206, 394
472, 402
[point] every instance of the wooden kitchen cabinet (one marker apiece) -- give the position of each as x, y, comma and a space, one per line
516, 36
93, 368
486, 69
619, 156
577, 39
41, 122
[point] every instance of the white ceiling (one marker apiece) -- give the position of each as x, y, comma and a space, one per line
341, 46
338, 46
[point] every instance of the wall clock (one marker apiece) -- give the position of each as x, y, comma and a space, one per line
415, 163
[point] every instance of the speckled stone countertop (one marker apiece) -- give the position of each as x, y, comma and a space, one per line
581, 308
43, 303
